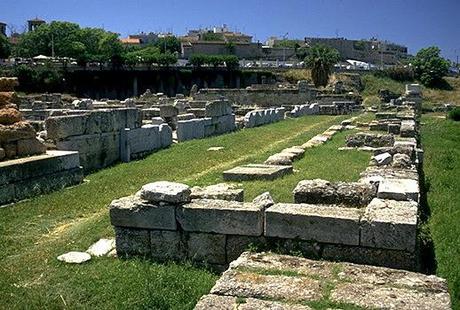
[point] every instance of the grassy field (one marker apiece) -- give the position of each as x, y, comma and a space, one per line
441, 142
34, 232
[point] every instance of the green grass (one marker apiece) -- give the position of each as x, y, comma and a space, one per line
441, 143
34, 232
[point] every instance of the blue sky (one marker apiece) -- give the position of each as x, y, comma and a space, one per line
415, 23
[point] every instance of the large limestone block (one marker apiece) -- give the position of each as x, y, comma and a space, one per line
317, 191
223, 191
164, 191
280, 159
399, 189
30, 147
15, 132
165, 135
226, 123
247, 284
167, 245
221, 216
407, 128
218, 108
322, 223
132, 211
191, 129
131, 241
61, 127
9, 116
211, 301
168, 111
206, 248
390, 224
256, 172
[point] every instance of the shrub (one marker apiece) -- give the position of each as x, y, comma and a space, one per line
371, 101
455, 114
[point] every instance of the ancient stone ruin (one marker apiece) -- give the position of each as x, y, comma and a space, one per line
17, 137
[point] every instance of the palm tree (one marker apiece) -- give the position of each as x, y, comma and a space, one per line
320, 60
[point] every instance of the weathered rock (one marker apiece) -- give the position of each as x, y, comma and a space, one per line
401, 161
317, 191
164, 191
8, 99
17, 131
215, 148
74, 257
135, 212
131, 241
383, 159
280, 159
326, 223
209, 248
222, 217
399, 189
101, 247
9, 116
368, 139
30, 147
390, 224
264, 200
223, 191
211, 301
256, 172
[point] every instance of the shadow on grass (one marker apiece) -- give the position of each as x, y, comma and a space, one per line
427, 255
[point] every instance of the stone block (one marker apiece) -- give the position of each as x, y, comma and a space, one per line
281, 159
390, 224
226, 123
30, 147
132, 211
40, 165
206, 248
383, 159
322, 223
191, 129
408, 128
399, 189
165, 135
167, 245
130, 241
247, 284
168, 111
164, 191
218, 108
61, 127
211, 301
256, 172
221, 216
394, 128
221, 191
317, 191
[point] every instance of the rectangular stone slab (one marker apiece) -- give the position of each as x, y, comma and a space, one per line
399, 189
256, 172
134, 212
221, 216
390, 224
211, 301
322, 223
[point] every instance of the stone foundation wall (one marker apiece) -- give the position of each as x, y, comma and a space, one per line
259, 97
263, 117
104, 137
218, 119
40, 174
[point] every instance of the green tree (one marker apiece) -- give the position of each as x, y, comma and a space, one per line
429, 66
166, 59
111, 49
168, 44
5, 47
211, 36
197, 60
320, 60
